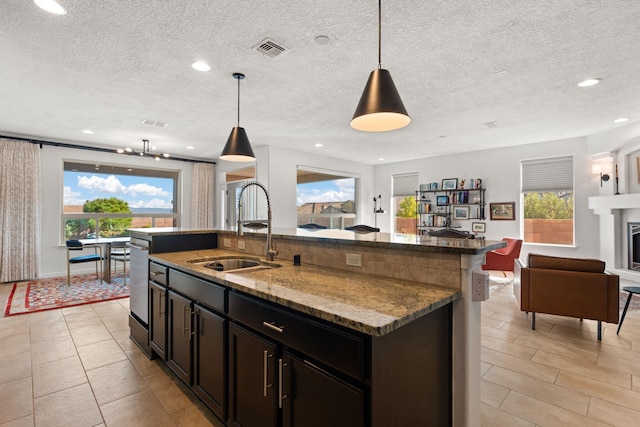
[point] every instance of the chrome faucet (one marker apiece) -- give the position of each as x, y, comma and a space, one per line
270, 252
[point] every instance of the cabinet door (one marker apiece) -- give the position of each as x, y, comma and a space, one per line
158, 319
312, 397
209, 380
253, 389
179, 331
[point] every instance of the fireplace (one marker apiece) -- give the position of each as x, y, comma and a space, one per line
633, 231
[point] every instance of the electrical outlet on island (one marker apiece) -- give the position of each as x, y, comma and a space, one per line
241, 244
354, 260
480, 285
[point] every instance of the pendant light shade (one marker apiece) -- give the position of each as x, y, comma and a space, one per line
380, 108
238, 148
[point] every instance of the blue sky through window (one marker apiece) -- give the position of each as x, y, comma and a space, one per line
144, 194
338, 190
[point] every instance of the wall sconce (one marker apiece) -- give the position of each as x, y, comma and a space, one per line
604, 169
376, 209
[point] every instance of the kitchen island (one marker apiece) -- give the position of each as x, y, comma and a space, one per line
406, 292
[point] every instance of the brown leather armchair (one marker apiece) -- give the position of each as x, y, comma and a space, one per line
567, 287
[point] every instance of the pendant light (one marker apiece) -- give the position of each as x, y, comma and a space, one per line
380, 108
238, 148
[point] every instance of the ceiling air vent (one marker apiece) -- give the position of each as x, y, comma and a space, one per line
491, 124
155, 123
269, 48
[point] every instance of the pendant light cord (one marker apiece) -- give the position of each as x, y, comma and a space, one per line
379, 34
238, 102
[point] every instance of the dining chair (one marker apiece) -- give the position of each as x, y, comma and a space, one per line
96, 256
120, 253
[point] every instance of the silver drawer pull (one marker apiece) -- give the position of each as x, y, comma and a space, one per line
157, 273
281, 395
272, 326
265, 367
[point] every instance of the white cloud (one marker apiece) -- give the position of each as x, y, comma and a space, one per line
154, 203
327, 196
72, 197
145, 189
110, 184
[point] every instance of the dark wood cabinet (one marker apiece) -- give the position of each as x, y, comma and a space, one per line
268, 382
312, 397
179, 349
259, 364
190, 336
253, 386
158, 321
209, 359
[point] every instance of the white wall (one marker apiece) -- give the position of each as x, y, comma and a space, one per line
54, 261
499, 170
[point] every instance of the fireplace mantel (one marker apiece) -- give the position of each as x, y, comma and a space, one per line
621, 201
613, 233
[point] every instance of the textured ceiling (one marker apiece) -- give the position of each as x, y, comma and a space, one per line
109, 64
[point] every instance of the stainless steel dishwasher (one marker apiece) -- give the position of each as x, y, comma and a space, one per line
139, 291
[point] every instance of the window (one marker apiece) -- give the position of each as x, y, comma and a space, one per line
104, 200
547, 190
404, 202
326, 198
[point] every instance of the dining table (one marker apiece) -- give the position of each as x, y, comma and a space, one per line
107, 243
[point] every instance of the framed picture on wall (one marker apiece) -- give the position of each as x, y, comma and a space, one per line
461, 212
478, 227
442, 200
502, 211
450, 184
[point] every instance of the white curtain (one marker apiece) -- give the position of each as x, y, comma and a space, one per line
202, 196
20, 207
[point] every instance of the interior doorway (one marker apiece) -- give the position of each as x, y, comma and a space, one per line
235, 180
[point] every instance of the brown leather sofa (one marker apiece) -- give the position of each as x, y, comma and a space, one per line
567, 287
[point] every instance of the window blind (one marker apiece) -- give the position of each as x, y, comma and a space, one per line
551, 174
405, 184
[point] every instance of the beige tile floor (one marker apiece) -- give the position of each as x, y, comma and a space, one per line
78, 367
559, 374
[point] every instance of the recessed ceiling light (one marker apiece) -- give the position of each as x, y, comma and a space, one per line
88, 131
201, 66
621, 120
318, 145
322, 40
381, 159
51, 6
589, 82
190, 147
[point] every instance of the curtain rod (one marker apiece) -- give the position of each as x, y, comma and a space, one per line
86, 147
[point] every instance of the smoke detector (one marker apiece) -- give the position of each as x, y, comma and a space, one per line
269, 48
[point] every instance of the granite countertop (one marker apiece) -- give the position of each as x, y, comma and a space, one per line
365, 303
378, 240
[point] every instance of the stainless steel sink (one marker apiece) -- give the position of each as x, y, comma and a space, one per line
232, 263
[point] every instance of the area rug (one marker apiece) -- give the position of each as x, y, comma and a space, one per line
48, 294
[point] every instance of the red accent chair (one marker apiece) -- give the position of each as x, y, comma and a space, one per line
503, 258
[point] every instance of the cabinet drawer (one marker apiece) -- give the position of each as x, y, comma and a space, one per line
340, 350
206, 293
158, 273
